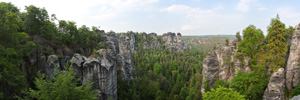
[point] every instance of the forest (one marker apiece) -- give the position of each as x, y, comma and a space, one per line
162, 74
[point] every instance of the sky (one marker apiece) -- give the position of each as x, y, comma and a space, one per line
188, 17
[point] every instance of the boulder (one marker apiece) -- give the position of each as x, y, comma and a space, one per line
276, 86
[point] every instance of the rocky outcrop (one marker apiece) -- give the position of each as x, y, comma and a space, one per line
175, 43
293, 71
52, 62
153, 42
77, 64
210, 69
125, 59
222, 64
101, 69
276, 86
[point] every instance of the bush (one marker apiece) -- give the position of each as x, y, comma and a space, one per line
219, 83
61, 87
296, 91
252, 84
222, 93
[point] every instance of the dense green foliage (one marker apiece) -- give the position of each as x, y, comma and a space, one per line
251, 41
163, 74
276, 45
13, 47
295, 91
19, 32
63, 86
206, 85
252, 84
221, 83
223, 93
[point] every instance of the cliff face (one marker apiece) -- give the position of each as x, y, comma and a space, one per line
101, 69
175, 43
154, 43
210, 69
125, 59
293, 71
221, 64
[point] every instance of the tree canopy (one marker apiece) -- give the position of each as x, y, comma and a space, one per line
223, 93
276, 45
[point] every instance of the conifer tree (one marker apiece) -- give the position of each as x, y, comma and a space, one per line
276, 45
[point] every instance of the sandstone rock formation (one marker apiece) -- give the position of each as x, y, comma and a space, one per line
276, 86
125, 59
221, 64
52, 62
101, 69
175, 43
154, 43
210, 69
77, 64
293, 71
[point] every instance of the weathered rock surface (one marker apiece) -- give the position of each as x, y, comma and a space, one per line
111, 39
77, 64
154, 42
210, 69
225, 58
125, 59
221, 64
276, 86
175, 43
293, 71
52, 62
101, 69
296, 97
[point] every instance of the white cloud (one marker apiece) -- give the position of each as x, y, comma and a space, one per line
289, 15
208, 21
83, 12
288, 12
244, 5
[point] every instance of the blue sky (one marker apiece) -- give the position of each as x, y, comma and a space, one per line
189, 17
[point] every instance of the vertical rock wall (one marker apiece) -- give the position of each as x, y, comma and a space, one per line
101, 69
125, 59
175, 43
293, 69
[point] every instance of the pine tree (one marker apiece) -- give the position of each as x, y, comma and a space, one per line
276, 45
